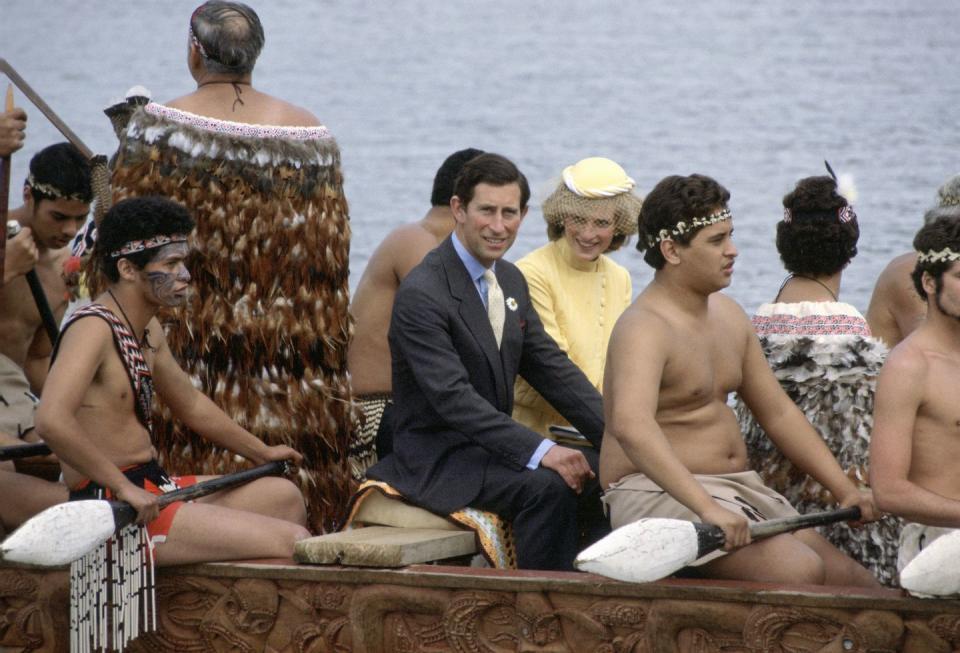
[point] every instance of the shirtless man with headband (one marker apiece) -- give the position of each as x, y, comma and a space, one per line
672, 446
914, 447
96, 410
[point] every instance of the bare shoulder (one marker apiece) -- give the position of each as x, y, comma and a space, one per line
728, 317
295, 116
907, 362
81, 345
641, 324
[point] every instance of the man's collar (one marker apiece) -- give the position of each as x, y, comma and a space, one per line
474, 267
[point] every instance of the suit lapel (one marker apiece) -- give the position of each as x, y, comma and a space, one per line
474, 314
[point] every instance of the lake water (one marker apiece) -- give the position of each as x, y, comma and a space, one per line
756, 95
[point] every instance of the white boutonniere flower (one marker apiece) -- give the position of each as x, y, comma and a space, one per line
511, 303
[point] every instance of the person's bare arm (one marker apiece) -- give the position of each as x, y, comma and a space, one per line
198, 411
82, 353
37, 364
790, 431
636, 360
898, 398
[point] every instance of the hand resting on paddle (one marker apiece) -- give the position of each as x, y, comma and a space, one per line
736, 528
13, 123
21, 256
570, 464
146, 504
862, 499
279, 452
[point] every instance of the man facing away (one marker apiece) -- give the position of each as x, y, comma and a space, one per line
895, 309
914, 447
368, 357
462, 328
96, 409
672, 447
56, 195
270, 311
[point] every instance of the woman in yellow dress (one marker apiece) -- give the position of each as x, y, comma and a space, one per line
578, 291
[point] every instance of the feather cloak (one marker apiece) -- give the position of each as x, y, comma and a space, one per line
827, 362
265, 331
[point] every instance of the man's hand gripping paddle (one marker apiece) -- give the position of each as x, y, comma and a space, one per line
68, 531
651, 549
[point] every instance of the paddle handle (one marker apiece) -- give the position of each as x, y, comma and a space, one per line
124, 514
710, 537
789, 524
18, 451
43, 307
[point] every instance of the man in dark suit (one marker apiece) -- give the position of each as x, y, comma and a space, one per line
458, 338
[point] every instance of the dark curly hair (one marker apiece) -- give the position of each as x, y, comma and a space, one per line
935, 236
64, 168
137, 218
672, 200
447, 174
815, 242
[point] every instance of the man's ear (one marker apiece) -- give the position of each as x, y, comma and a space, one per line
669, 250
127, 269
929, 283
458, 208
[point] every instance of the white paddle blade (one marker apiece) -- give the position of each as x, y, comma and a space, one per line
934, 572
642, 552
59, 535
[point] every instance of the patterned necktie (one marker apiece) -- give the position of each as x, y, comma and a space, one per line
495, 308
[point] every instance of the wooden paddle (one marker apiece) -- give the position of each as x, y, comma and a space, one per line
45, 109
651, 549
39, 296
18, 451
68, 531
5, 189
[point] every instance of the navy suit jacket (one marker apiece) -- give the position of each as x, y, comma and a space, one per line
453, 388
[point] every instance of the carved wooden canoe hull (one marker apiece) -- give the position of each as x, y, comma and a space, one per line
267, 606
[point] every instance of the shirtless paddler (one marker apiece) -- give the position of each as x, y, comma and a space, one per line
672, 447
915, 445
96, 408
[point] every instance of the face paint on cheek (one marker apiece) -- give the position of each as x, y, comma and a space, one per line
162, 285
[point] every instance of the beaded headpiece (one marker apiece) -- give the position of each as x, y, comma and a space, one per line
135, 246
53, 192
844, 214
685, 227
945, 254
845, 189
591, 187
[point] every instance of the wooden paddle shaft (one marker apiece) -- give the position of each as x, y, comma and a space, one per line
18, 451
124, 514
788, 524
45, 109
5, 191
43, 306
39, 296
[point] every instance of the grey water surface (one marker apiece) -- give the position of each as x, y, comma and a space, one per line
756, 94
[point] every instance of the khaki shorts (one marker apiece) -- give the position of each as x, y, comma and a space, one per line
17, 403
635, 497
914, 538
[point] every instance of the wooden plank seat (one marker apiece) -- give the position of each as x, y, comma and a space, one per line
384, 530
